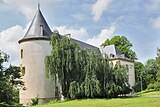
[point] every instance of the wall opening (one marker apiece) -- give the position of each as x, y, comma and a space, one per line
21, 53
23, 71
41, 30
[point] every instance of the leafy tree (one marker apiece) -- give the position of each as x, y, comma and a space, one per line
157, 84
151, 69
158, 64
62, 62
151, 74
8, 94
82, 73
74, 90
123, 44
139, 76
92, 85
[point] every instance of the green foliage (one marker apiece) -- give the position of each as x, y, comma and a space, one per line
74, 90
8, 92
157, 87
151, 86
35, 101
139, 76
91, 83
145, 91
123, 44
150, 75
83, 73
151, 69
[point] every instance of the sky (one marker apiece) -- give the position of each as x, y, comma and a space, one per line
91, 21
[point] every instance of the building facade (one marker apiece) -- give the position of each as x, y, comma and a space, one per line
34, 47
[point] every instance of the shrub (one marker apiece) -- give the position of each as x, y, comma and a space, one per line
35, 101
151, 86
157, 86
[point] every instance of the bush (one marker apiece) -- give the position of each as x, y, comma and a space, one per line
151, 86
145, 91
35, 101
155, 86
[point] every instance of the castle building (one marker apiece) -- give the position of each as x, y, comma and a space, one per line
34, 47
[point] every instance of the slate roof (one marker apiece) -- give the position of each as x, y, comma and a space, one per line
113, 52
84, 45
38, 25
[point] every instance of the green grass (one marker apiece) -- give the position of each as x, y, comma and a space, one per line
151, 99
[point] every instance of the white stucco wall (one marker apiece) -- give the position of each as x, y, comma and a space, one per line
36, 83
131, 72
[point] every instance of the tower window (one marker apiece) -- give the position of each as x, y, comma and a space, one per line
23, 71
21, 53
41, 30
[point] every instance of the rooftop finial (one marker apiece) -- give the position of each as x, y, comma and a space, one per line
38, 5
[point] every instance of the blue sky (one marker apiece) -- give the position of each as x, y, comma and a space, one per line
91, 21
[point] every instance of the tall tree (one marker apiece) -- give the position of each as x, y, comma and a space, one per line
83, 73
139, 76
151, 69
91, 83
158, 63
8, 93
123, 44
61, 63
158, 71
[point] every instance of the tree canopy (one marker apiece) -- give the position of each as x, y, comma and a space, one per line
82, 73
139, 76
123, 44
9, 94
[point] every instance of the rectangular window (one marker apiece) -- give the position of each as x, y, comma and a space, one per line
21, 53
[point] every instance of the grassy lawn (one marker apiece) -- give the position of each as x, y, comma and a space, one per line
151, 99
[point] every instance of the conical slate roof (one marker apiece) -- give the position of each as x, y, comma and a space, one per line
38, 28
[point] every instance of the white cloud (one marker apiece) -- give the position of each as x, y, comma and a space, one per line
99, 7
26, 7
75, 33
9, 42
156, 23
104, 34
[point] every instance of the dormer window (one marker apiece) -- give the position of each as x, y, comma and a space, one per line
112, 56
41, 30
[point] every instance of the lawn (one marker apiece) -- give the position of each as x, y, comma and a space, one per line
151, 99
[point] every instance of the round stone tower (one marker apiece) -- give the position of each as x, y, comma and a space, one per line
34, 47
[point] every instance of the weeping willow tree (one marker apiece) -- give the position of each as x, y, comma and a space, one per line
91, 83
61, 63
83, 73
